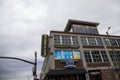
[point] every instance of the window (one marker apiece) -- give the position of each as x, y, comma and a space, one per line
115, 56
84, 41
74, 39
66, 39
67, 54
88, 56
96, 56
57, 39
84, 29
104, 56
99, 41
76, 54
112, 55
118, 55
107, 42
118, 41
58, 54
91, 41
113, 42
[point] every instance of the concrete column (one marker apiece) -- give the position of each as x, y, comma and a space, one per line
87, 76
83, 58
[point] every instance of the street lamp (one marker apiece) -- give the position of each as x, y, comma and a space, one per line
112, 47
107, 31
116, 66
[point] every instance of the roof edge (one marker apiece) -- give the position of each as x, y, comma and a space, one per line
71, 21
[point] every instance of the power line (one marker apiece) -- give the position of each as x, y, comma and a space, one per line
115, 31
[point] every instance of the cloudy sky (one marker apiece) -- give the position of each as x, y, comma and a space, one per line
22, 22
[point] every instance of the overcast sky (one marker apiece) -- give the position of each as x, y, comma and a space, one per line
22, 22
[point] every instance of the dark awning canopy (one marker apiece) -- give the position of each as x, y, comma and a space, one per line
66, 72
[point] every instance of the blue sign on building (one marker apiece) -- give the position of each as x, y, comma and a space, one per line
69, 64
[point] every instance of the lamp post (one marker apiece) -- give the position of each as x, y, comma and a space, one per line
116, 66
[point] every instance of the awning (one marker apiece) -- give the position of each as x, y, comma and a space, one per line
66, 72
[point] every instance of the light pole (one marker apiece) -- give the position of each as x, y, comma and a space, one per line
35, 65
116, 65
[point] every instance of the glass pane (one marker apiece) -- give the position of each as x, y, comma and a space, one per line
87, 56
91, 41
113, 42
76, 54
75, 39
66, 39
67, 54
118, 41
104, 56
58, 54
117, 55
107, 42
96, 56
84, 41
99, 41
112, 55
57, 39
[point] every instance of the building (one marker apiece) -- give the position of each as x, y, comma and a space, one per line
80, 53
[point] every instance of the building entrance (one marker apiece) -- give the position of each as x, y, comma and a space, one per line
68, 77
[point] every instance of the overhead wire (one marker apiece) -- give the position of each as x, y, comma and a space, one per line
115, 31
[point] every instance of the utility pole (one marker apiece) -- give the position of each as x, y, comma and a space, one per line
116, 65
33, 63
35, 66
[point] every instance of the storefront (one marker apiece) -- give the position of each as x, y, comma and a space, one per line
75, 74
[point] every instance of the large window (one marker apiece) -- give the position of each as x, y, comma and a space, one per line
57, 39
99, 41
112, 41
88, 56
67, 54
118, 55
74, 39
92, 41
84, 41
76, 54
65, 39
118, 41
104, 56
84, 29
58, 54
95, 56
115, 56
107, 42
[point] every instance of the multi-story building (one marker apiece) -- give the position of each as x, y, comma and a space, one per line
80, 53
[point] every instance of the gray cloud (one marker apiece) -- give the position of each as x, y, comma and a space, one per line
22, 22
